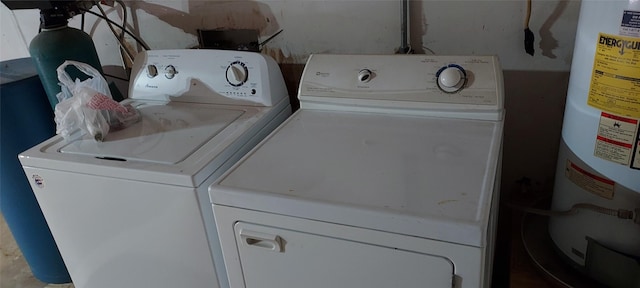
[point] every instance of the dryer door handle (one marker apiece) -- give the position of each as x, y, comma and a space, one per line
261, 240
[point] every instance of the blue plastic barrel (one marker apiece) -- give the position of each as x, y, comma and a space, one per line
26, 119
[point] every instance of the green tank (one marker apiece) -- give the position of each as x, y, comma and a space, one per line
57, 43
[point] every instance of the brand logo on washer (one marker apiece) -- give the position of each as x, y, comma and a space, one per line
38, 181
151, 86
322, 74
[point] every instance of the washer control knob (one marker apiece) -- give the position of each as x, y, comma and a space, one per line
170, 72
451, 78
152, 71
365, 75
237, 73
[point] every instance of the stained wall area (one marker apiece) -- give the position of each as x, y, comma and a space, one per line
334, 26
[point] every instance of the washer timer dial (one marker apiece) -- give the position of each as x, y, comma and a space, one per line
237, 73
170, 72
451, 78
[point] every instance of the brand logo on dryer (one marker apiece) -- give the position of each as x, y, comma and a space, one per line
151, 86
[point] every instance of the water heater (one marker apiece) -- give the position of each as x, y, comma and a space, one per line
599, 157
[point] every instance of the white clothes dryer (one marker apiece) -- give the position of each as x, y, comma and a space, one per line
133, 210
387, 176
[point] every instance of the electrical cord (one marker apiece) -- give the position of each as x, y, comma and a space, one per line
122, 46
529, 38
269, 39
115, 77
15, 22
528, 17
125, 50
124, 18
136, 38
409, 49
620, 213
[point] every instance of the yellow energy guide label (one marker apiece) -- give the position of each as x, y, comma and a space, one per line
615, 80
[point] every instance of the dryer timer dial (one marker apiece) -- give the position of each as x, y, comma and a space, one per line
451, 78
365, 75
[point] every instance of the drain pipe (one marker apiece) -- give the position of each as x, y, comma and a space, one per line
404, 27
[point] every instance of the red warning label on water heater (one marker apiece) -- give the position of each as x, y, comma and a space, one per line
616, 138
588, 181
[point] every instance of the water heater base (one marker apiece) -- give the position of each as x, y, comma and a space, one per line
547, 260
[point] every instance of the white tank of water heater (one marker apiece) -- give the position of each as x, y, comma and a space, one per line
599, 158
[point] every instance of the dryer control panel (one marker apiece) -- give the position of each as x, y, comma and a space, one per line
207, 76
412, 84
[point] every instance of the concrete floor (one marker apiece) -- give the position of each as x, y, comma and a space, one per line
14, 270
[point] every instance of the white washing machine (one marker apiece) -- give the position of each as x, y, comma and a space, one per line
386, 177
134, 211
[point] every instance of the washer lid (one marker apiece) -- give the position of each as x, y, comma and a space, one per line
427, 177
166, 134
175, 143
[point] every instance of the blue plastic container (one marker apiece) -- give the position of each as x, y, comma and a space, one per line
26, 119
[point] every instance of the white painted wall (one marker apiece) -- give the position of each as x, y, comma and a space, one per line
16, 34
334, 26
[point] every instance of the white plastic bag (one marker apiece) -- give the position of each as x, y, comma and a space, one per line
87, 105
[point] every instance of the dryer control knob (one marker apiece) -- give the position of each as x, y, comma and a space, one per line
237, 73
451, 78
365, 75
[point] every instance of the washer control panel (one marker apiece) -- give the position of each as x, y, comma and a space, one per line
206, 76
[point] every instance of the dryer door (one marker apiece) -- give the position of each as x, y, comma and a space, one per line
274, 258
